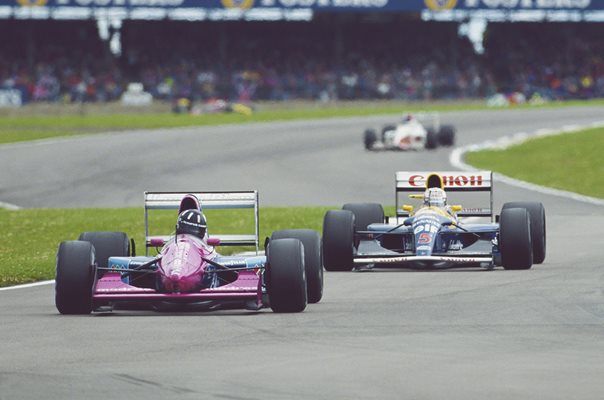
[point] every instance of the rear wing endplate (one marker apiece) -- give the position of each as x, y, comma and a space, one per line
414, 182
208, 200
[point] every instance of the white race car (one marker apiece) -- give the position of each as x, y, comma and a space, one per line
422, 131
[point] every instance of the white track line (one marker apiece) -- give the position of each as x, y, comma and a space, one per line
456, 159
457, 156
27, 285
9, 206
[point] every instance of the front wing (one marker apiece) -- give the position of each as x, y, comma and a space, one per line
371, 252
411, 259
110, 288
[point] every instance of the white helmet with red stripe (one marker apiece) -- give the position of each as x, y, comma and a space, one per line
435, 197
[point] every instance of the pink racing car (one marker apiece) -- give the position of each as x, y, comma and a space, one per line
101, 269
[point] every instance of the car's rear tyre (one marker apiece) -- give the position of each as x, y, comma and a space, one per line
369, 138
338, 240
313, 260
365, 214
515, 239
537, 215
107, 244
431, 139
286, 281
446, 135
74, 276
385, 129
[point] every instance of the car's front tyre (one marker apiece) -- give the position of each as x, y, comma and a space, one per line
313, 260
446, 135
74, 277
537, 215
369, 139
431, 139
286, 279
107, 244
338, 240
515, 239
365, 214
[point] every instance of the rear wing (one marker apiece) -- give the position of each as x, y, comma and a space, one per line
208, 200
428, 118
414, 182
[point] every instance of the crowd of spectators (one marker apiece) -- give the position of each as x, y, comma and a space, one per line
408, 60
58, 62
556, 61
413, 61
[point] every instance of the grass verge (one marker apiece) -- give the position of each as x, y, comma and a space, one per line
571, 161
30, 237
21, 125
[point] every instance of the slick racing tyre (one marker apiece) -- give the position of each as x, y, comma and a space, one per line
365, 214
537, 214
313, 260
286, 282
338, 240
446, 135
515, 239
107, 244
74, 276
431, 139
369, 138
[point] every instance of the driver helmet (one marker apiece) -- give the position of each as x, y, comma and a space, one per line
192, 222
435, 197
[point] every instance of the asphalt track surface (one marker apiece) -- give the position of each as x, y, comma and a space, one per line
455, 334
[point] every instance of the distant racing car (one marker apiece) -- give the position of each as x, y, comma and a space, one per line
413, 132
101, 269
435, 234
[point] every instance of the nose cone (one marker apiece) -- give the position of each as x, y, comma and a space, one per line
176, 281
181, 267
179, 283
424, 242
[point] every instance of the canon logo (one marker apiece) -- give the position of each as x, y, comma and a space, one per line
449, 180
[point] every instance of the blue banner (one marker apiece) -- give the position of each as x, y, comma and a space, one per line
279, 9
327, 5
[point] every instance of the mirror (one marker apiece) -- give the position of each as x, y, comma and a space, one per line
156, 242
213, 241
407, 208
456, 208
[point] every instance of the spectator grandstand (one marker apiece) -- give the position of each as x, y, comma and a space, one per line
558, 61
332, 57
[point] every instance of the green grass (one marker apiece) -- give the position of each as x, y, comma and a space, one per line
572, 161
30, 123
30, 237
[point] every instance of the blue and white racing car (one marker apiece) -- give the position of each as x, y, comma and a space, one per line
435, 234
